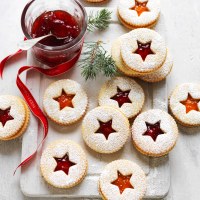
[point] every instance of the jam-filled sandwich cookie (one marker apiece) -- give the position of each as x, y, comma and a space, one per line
122, 180
122, 93
14, 117
105, 129
155, 76
63, 164
139, 13
154, 133
143, 50
184, 104
65, 101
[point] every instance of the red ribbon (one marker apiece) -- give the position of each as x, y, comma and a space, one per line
33, 105
3, 62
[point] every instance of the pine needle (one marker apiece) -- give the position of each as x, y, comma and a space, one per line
100, 20
95, 60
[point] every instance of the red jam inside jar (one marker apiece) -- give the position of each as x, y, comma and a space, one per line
60, 23
105, 128
123, 182
65, 20
63, 164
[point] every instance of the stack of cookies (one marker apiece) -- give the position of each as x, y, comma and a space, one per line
142, 53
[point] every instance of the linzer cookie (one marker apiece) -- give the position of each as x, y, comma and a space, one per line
154, 133
105, 129
122, 93
184, 104
65, 102
63, 164
14, 117
143, 50
122, 179
139, 13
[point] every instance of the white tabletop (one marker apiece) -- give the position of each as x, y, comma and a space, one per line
182, 22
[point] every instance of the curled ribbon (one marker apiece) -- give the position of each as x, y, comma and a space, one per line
33, 105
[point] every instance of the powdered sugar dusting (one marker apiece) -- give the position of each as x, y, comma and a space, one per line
179, 94
161, 73
138, 181
97, 141
116, 55
136, 95
17, 111
164, 142
134, 61
67, 115
145, 19
76, 155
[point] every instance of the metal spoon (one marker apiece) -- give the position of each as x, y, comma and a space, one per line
27, 44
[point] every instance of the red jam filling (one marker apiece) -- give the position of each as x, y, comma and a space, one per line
191, 103
144, 50
63, 164
153, 130
5, 116
140, 7
123, 182
65, 100
60, 23
121, 97
105, 128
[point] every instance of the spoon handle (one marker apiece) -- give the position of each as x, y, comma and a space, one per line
27, 44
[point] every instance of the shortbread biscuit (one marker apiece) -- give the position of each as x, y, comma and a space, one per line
105, 129
122, 179
184, 104
122, 93
65, 102
63, 164
154, 133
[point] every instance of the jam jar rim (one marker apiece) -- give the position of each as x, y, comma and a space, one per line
61, 47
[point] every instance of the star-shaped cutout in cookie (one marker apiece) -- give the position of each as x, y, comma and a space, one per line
121, 97
65, 100
123, 182
5, 116
190, 103
105, 128
144, 49
153, 130
63, 164
140, 7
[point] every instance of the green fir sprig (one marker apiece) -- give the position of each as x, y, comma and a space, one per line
100, 20
95, 60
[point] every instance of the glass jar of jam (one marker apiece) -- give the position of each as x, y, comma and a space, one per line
65, 19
